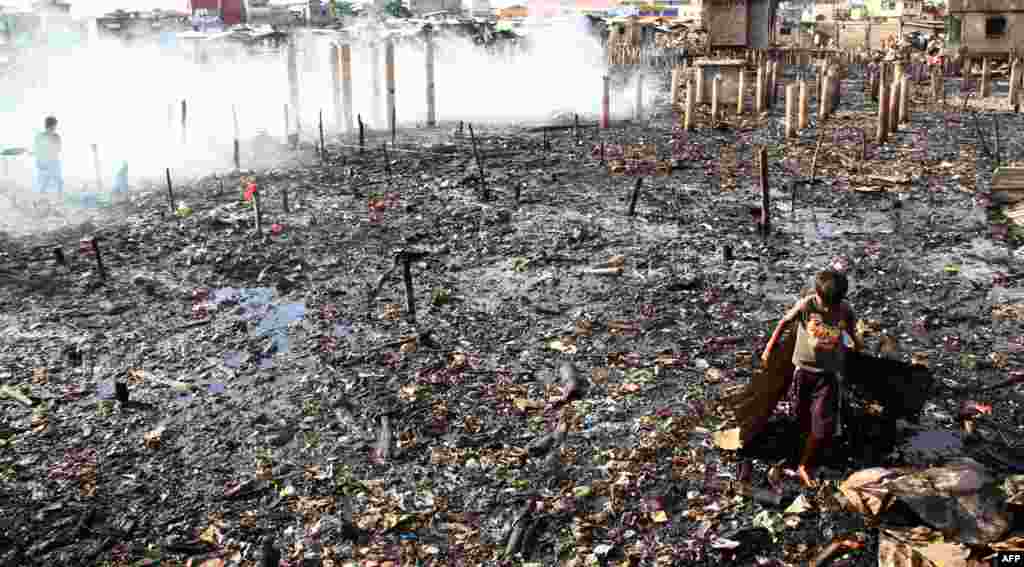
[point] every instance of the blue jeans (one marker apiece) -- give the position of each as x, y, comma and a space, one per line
48, 176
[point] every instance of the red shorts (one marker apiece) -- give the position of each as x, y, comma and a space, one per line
813, 397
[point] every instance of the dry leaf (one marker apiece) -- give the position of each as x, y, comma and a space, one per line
392, 311
471, 423
151, 440
919, 358
584, 328
713, 375
617, 261
728, 439
744, 359
457, 360
599, 376
999, 359
408, 392
566, 344
888, 345
40, 376
409, 344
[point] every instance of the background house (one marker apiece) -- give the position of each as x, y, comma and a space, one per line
985, 26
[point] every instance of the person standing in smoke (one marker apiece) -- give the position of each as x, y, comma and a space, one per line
46, 149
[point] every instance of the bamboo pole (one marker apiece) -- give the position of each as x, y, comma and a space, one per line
346, 86
791, 119
431, 93
882, 129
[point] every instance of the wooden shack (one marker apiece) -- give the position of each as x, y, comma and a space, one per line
985, 27
861, 33
740, 23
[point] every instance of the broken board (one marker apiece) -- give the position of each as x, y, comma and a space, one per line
900, 388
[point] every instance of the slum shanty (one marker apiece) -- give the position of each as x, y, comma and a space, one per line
418, 283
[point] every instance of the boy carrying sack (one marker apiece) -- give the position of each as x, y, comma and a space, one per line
825, 332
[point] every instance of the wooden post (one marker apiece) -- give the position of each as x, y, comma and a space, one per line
904, 108
335, 64
431, 102
362, 135
410, 297
389, 79
766, 219
894, 103
674, 87
293, 85
375, 84
479, 163
605, 101
346, 85
323, 145
287, 126
1014, 82
773, 93
96, 164
741, 91
699, 80
715, 93
759, 90
170, 191
823, 96
633, 198
237, 153
639, 95
803, 104
986, 78
690, 106
882, 130
791, 119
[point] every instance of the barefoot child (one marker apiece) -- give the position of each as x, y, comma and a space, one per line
826, 328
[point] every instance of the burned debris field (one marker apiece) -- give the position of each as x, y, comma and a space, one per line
530, 343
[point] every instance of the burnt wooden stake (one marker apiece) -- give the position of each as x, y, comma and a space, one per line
184, 120
237, 145
727, 253
170, 190
121, 392
362, 134
636, 195
547, 146
479, 163
323, 147
576, 127
220, 183
410, 298
762, 158
387, 162
99, 258
519, 189
284, 200
995, 125
58, 255
394, 126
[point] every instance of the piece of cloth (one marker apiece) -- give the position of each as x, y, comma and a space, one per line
48, 177
815, 402
819, 341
